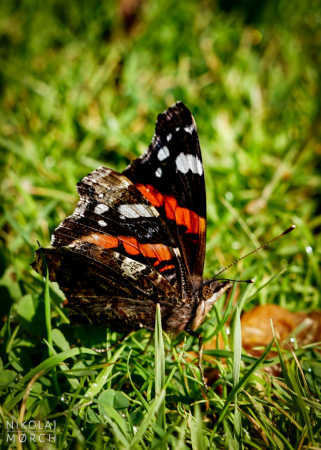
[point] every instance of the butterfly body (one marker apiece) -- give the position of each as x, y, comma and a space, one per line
137, 238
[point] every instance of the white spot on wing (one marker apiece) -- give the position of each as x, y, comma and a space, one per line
189, 128
101, 208
169, 137
135, 210
132, 268
177, 129
102, 223
177, 252
101, 195
163, 153
186, 162
81, 208
159, 172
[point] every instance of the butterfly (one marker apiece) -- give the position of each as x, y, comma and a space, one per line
137, 238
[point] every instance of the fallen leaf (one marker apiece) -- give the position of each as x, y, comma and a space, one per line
257, 327
257, 334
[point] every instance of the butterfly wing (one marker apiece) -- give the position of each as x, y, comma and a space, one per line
113, 214
137, 238
90, 278
170, 175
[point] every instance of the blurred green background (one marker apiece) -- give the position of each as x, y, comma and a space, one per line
81, 84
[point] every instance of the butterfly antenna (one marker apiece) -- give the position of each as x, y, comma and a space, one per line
264, 245
251, 280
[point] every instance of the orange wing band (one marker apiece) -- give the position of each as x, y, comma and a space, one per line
132, 247
182, 216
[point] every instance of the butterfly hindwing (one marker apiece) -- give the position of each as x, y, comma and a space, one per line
89, 277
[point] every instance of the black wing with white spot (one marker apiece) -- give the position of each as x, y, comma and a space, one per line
170, 175
113, 214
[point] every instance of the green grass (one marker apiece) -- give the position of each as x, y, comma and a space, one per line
77, 91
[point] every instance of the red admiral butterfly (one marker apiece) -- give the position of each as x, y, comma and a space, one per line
137, 238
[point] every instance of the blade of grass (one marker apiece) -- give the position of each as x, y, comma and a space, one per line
229, 353
150, 413
138, 393
68, 417
100, 381
239, 386
118, 425
48, 323
293, 376
237, 351
159, 366
45, 366
48, 312
197, 433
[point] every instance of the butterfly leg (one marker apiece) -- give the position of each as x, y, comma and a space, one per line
200, 357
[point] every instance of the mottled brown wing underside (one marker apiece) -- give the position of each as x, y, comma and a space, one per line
105, 287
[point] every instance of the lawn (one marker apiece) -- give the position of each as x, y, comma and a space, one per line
81, 84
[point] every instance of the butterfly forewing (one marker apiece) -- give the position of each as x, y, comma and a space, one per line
170, 175
113, 214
